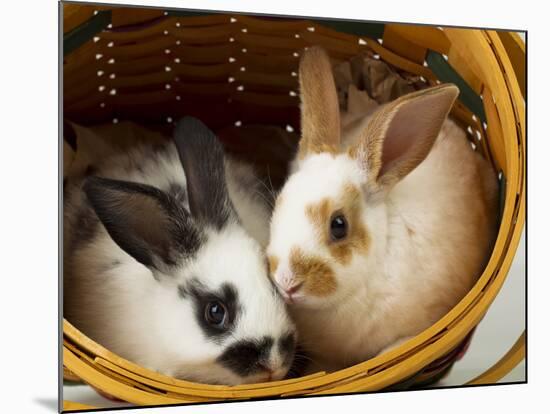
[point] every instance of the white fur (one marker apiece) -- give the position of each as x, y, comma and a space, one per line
144, 320
246, 194
429, 239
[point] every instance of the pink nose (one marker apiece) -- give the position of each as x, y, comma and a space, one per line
287, 283
293, 289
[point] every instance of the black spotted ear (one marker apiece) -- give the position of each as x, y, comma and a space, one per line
148, 224
201, 155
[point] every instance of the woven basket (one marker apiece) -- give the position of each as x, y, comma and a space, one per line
144, 65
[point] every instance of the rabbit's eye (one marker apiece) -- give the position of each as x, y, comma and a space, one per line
338, 227
215, 313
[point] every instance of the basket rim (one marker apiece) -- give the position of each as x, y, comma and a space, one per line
445, 334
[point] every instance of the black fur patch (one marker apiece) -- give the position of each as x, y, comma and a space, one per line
177, 191
183, 291
287, 346
159, 152
132, 163
201, 296
299, 363
110, 266
202, 157
247, 357
160, 149
161, 229
90, 170
85, 227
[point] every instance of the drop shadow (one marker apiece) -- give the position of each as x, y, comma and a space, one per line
50, 403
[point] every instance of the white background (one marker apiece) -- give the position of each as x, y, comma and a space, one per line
28, 169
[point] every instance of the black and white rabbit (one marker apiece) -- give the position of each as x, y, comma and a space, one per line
164, 263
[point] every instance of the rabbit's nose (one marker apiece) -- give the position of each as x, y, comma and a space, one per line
290, 290
267, 370
287, 283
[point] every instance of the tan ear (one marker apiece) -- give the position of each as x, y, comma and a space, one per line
320, 114
400, 136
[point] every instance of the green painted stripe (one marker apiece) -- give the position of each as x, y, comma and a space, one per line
404, 384
445, 73
502, 195
186, 13
372, 30
71, 383
433, 380
87, 30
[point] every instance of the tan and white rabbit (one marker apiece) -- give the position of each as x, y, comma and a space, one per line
377, 235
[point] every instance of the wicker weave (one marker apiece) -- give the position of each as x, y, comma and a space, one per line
152, 66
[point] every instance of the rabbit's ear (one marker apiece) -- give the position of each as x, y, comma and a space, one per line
202, 158
400, 136
148, 224
320, 113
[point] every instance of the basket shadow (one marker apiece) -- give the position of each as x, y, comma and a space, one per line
49, 403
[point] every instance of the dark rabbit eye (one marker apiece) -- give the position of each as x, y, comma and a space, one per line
338, 227
215, 313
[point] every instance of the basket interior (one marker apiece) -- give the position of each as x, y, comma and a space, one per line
154, 66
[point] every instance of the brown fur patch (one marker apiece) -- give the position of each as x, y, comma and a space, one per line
319, 215
349, 204
311, 147
320, 114
314, 272
273, 263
